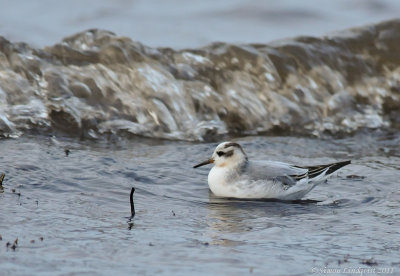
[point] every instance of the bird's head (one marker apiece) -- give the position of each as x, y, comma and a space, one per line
226, 154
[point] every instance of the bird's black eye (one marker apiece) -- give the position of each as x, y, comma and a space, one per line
220, 153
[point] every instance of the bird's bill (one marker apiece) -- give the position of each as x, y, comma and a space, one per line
209, 161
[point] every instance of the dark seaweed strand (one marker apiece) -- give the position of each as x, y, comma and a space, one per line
132, 204
2, 178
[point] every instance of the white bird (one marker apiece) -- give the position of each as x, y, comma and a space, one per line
234, 176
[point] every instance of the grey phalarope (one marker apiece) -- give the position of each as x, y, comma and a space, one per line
233, 175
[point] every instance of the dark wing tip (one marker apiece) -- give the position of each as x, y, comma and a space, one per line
335, 166
314, 171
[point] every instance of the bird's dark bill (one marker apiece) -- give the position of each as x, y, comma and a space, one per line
204, 163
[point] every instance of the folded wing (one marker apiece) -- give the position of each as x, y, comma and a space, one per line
287, 173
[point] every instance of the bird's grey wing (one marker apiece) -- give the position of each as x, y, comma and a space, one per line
279, 171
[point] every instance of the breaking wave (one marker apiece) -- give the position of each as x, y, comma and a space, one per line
96, 83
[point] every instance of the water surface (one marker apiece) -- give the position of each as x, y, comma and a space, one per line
182, 24
79, 204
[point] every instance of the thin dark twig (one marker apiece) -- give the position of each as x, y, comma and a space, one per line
132, 205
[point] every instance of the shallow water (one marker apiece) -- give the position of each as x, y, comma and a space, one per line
79, 204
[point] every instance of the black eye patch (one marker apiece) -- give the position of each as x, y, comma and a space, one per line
220, 153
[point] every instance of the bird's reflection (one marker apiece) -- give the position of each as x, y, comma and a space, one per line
229, 219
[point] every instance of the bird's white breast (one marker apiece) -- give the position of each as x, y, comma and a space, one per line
218, 183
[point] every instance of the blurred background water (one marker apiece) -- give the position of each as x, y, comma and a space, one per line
182, 24
151, 89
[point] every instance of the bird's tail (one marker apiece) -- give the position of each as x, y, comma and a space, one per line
328, 169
